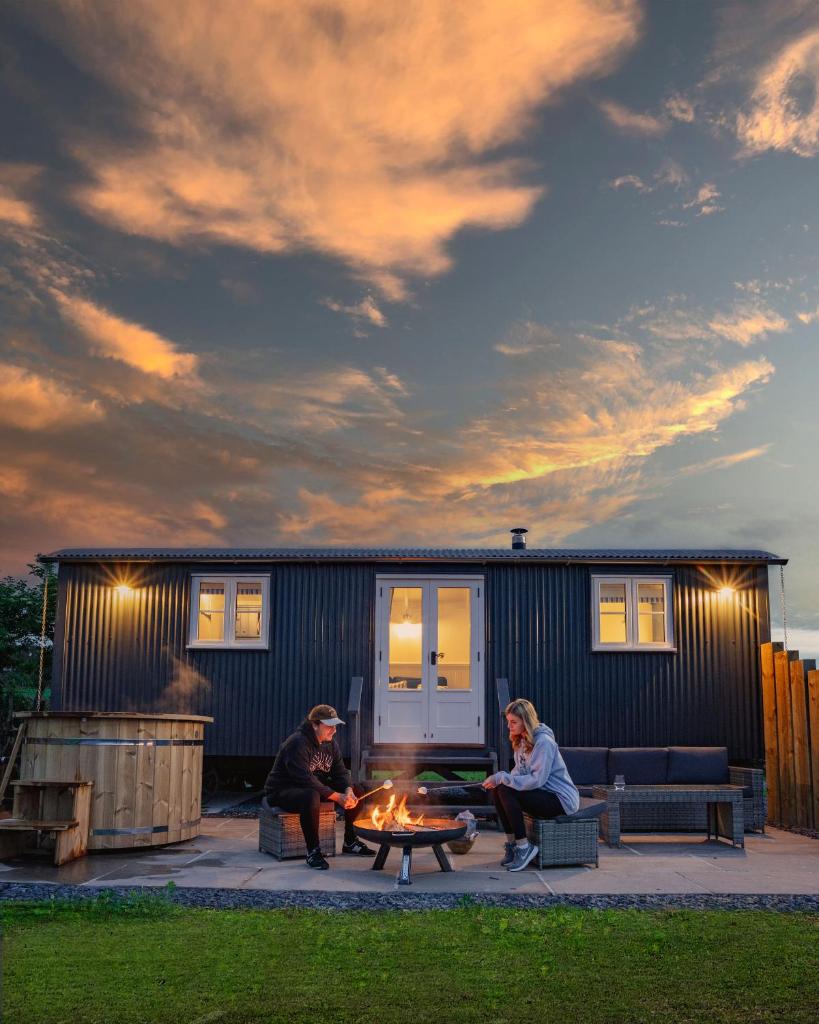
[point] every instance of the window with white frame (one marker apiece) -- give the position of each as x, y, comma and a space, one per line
229, 611
632, 613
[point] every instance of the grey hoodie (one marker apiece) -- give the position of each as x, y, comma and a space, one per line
543, 768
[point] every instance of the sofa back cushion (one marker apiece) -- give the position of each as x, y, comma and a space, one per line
639, 766
697, 765
586, 765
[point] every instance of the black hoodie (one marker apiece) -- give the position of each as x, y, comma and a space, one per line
303, 761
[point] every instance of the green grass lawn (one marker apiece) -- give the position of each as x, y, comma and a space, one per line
144, 961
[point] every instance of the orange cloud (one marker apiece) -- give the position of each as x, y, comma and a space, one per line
783, 112
16, 209
31, 401
745, 326
632, 121
724, 461
366, 310
365, 129
114, 338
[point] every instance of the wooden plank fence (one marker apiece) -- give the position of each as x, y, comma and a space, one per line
790, 701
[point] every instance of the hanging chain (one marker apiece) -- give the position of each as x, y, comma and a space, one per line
784, 607
39, 701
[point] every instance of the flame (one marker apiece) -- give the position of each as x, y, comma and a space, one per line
392, 817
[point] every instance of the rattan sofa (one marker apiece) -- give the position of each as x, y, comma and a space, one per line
597, 766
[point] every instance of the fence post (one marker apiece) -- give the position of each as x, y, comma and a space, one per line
354, 716
767, 652
504, 747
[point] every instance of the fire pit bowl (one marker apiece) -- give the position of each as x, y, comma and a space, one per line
432, 832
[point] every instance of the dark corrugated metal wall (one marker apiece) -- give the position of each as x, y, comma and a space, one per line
129, 653
708, 692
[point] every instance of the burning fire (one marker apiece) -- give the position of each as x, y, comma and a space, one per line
393, 818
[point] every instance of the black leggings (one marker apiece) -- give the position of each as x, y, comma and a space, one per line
511, 803
305, 801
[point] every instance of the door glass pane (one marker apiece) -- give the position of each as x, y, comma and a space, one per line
651, 612
454, 639
612, 613
248, 611
211, 611
406, 664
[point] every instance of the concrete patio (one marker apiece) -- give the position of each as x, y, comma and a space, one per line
225, 856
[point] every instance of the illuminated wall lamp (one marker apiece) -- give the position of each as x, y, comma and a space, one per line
123, 589
726, 592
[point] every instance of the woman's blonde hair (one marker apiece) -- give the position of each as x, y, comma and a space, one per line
525, 711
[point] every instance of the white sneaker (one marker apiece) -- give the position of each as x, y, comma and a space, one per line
524, 855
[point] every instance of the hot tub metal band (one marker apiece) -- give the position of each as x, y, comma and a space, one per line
82, 741
141, 830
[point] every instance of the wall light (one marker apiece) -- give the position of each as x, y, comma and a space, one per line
123, 589
726, 591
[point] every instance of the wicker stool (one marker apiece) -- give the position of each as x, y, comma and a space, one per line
280, 832
568, 839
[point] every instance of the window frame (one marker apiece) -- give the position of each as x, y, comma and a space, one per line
229, 640
633, 644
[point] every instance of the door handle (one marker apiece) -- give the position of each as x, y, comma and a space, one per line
433, 657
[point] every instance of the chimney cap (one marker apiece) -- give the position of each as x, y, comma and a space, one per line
519, 538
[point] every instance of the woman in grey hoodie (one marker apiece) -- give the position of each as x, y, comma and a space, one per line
538, 784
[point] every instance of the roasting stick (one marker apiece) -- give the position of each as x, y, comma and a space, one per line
423, 791
386, 784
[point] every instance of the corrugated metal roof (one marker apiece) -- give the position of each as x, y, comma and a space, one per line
329, 554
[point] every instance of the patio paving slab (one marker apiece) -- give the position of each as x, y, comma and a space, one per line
226, 857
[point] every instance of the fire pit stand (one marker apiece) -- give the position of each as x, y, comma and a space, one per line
433, 833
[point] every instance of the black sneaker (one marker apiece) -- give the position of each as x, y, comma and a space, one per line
358, 848
315, 859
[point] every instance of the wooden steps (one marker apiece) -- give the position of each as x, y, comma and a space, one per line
61, 806
408, 764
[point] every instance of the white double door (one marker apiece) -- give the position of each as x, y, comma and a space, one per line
429, 667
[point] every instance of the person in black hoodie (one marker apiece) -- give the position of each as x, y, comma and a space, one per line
309, 768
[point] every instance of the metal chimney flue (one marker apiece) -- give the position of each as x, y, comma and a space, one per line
519, 538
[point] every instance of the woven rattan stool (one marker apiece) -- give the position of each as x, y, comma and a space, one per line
563, 842
280, 832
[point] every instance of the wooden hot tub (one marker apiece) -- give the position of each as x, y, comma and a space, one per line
146, 770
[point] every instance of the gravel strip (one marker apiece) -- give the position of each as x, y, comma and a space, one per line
263, 899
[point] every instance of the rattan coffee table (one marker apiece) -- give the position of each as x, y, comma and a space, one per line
726, 818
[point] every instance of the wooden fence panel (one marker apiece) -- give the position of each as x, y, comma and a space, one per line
813, 723
784, 731
803, 796
769, 725
790, 705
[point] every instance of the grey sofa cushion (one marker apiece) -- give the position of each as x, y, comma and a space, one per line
697, 765
586, 765
639, 766
588, 809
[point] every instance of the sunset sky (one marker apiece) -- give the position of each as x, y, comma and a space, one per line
288, 272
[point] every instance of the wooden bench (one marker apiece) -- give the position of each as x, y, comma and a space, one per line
58, 806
